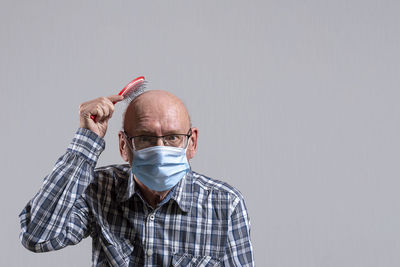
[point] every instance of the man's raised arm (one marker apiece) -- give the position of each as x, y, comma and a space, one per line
58, 215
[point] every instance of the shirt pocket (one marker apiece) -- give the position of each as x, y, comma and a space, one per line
194, 261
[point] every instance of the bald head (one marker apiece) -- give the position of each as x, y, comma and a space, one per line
156, 112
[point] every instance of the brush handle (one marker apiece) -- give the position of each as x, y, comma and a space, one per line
128, 89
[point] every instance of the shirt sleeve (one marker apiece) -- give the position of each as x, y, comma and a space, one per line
239, 250
58, 215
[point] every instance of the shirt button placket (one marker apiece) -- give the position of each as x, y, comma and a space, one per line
150, 238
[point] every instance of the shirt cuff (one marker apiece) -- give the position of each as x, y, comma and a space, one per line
87, 144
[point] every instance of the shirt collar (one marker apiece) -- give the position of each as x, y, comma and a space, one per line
182, 193
125, 186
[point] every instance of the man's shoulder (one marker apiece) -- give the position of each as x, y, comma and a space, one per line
205, 183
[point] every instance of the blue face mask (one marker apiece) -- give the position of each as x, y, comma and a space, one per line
160, 167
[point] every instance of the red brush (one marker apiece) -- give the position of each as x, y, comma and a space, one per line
131, 90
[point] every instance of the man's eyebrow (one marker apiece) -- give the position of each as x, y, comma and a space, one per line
144, 132
147, 132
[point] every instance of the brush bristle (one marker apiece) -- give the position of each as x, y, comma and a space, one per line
133, 92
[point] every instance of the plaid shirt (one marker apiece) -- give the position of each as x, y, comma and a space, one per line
201, 222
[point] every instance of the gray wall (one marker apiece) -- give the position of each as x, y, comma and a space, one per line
297, 103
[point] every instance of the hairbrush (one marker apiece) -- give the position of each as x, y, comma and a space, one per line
131, 90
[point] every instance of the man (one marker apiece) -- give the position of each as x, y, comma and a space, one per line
154, 211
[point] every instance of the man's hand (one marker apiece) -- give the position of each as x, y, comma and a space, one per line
102, 109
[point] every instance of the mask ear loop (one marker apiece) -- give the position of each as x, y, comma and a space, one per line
189, 139
129, 144
187, 145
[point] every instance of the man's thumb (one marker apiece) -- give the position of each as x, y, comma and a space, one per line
115, 98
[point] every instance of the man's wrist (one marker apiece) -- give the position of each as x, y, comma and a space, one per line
88, 144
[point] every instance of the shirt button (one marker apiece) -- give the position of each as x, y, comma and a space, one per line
151, 217
149, 252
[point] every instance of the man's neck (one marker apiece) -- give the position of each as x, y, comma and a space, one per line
152, 197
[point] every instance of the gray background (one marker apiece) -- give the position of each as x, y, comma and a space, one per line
296, 102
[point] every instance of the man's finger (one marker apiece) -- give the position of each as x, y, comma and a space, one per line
115, 98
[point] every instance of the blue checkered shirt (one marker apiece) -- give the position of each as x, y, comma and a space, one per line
201, 222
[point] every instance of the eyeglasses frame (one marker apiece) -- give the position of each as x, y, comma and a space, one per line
130, 138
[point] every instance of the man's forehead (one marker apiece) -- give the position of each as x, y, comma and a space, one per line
156, 107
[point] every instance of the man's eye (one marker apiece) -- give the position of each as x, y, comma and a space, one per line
172, 138
144, 139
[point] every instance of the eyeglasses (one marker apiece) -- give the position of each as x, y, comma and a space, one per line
144, 141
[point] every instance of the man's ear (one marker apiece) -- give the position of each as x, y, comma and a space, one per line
192, 147
124, 149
